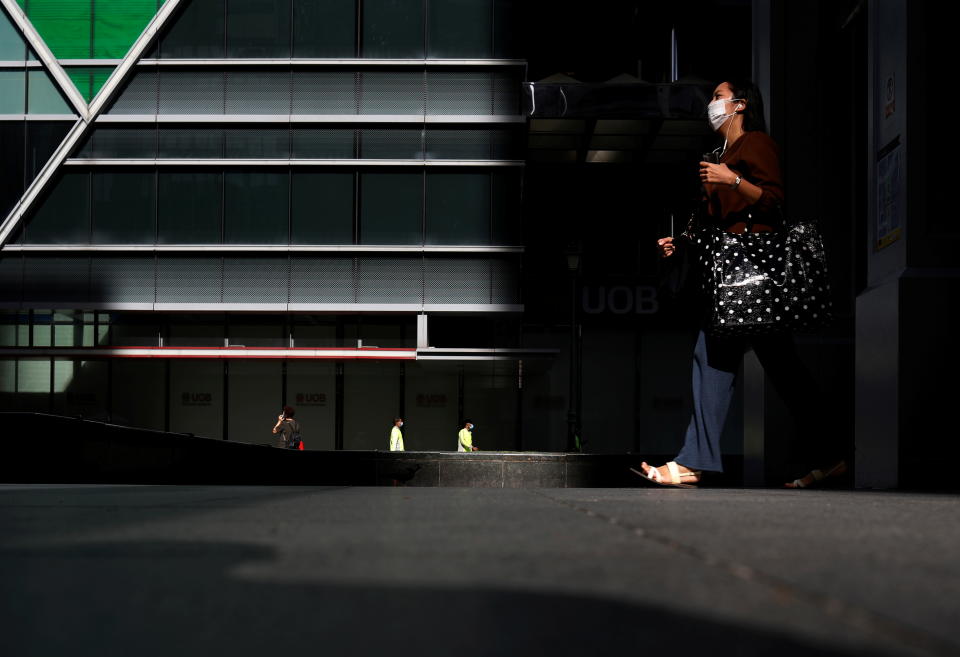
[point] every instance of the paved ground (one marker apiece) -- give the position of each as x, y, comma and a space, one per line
96, 570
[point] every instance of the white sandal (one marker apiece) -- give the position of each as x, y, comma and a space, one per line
653, 475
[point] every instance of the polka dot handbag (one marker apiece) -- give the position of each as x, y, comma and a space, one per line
761, 283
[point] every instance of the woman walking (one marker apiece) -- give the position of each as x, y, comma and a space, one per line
743, 191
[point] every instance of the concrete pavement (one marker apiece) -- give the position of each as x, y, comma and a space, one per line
152, 570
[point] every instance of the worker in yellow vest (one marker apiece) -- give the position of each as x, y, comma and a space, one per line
465, 438
396, 437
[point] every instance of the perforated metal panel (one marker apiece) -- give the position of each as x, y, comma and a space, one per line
191, 92
127, 141
56, 279
506, 280
389, 280
391, 93
200, 142
256, 280
457, 280
391, 143
319, 279
320, 143
258, 92
506, 94
122, 279
184, 279
318, 92
11, 278
139, 96
461, 92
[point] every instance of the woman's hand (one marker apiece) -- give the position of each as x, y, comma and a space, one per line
717, 173
666, 247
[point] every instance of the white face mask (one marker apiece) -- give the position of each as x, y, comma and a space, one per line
400, 424
716, 111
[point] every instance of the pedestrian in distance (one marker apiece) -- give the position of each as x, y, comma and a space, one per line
396, 436
743, 192
287, 429
465, 438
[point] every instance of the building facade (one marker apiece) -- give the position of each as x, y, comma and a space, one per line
215, 207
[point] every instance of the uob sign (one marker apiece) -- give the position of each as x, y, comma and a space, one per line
620, 300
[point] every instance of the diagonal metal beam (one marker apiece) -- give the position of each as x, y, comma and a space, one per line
89, 115
46, 56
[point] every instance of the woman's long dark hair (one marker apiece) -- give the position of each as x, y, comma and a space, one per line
753, 114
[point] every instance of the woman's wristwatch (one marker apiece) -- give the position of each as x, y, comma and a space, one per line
735, 183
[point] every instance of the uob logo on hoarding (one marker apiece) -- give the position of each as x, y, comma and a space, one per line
196, 398
620, 300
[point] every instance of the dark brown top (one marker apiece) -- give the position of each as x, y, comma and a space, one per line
755, 157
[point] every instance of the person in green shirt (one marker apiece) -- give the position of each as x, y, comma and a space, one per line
465, 438
396, 436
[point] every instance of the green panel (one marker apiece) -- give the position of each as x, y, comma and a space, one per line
12, 45
89, 79
81, 29
43, 96
116, 25
63, 24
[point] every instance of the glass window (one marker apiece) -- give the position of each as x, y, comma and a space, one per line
196, 331
506, 30
64, 216
257, 331
460, 29
257, 207
324, 29
323, 143
458, 208
197, 32
490, 393
196, 397
258, 28
311, 390
43, 97
392, 29
391, 143
473, 144
311, 331
141, 400
111, 142
257, 143
11, 154
432, 405
255, 400
189, 207
43, 138
506, 201
371, 399
12, 45
124, 203
33, 385
177, 142
322, 211
135, 330
12, 85
391, 93
393, 332
391, 208
80, 388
